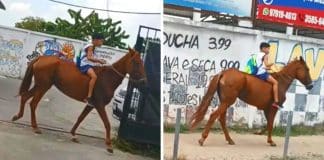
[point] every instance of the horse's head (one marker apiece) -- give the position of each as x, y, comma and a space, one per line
302, 73
135, 66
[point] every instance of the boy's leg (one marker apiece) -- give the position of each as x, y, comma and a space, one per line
275, 87
93, 78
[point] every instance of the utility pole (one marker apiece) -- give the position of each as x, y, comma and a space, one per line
107, 8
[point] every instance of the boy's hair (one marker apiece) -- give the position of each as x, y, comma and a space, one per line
264, 45
97, 36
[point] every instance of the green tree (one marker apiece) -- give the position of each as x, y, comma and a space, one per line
32, 23
80, 28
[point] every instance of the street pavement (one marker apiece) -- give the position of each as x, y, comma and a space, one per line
58, 112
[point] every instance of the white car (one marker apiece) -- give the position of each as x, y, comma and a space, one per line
118, 103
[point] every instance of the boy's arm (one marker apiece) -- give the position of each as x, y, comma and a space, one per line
90, 56
265, 61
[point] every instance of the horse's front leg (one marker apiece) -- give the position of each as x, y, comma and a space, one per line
103, 115
83, 114
271, 116
263, 130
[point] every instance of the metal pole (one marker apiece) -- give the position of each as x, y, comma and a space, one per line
290, 117
176, 136
107, 8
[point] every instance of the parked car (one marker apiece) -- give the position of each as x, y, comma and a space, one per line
118, 103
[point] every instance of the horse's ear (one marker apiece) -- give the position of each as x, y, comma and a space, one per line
301, 58
130, 51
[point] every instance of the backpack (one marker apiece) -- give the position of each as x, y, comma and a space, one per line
78, 59
252, 66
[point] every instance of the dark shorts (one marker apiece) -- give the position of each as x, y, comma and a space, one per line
85, 68
263, 76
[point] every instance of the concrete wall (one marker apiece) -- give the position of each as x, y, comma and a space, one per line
18, 47
195, 51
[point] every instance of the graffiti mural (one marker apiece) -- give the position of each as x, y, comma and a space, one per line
10, 53
194, 54
313, 56
65, 51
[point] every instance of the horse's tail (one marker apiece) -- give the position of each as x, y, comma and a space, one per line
26, 82
198, 116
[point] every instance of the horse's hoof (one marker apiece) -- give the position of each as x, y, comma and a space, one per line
14, 118
201, 142
258, 133
272, 144
37, 131
75, 139
231, 142
110, 150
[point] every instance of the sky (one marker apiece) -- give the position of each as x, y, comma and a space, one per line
18, 9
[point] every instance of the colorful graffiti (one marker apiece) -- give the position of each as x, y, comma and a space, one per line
314, 60
10, 53
189, 63
65, 51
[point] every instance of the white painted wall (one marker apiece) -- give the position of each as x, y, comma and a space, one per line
18, 44
190, 44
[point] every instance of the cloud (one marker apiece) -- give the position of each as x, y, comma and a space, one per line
20, 8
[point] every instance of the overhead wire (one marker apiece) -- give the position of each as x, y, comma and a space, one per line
106, 10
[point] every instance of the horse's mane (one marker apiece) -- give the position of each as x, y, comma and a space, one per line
283, 71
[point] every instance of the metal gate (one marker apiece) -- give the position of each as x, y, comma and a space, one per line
140, 120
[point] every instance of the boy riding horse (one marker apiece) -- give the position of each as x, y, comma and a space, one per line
262, 61
88, 60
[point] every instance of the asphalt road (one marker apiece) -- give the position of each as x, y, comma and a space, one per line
56, 111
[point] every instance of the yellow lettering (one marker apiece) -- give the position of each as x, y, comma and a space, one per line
273, 52
297, 51
315, 68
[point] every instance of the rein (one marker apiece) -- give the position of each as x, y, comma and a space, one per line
124, 76
289, 78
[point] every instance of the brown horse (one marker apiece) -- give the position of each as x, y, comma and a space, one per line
232, 83
50, 70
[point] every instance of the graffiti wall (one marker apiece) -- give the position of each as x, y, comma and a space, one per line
53, 48
197, 51
10, 55
18, 47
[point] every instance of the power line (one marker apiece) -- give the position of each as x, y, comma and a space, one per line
107, 10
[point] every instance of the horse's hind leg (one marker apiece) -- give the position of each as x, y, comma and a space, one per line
222, 121
83, 114
39, 93
220, 110
24, 98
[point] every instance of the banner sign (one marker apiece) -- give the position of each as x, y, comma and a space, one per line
303, 13
241, 8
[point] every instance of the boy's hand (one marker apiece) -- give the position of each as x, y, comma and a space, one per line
102, 61
267, 68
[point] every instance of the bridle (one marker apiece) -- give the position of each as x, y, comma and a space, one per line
288, 78
124, 76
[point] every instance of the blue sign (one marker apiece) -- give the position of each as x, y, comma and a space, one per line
240, 8
302, 4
